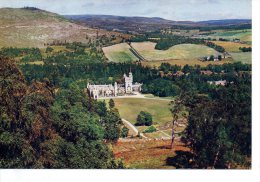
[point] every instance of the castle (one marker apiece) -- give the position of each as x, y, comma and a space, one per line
128, 88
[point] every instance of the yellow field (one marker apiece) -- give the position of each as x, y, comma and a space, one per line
231, 46
181, 52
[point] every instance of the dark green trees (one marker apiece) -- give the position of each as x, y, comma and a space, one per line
43, 129
144, 118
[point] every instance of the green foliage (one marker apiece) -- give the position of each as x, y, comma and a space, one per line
161, 87
49, 49
111, 103
39, 129
144, 118
150, 129
124, 132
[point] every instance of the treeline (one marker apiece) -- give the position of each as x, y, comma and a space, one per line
245, 49
26, 54
44, 128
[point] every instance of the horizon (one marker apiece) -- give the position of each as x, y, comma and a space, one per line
177, 10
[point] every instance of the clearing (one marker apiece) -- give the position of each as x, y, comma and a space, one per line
231, 46
244, 57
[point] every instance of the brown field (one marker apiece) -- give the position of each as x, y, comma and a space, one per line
143, 154
231, 46
182, 62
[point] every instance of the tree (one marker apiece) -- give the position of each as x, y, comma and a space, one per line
144, 118
124, 132
111, 103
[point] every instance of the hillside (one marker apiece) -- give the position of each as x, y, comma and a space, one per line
145, 24
34, 27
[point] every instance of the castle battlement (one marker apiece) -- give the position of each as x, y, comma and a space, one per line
110, 90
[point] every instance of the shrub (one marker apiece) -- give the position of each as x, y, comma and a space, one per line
144, 118
124, 132
150, 129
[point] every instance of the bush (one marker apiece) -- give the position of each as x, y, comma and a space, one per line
144, 118
124, 132
150, 129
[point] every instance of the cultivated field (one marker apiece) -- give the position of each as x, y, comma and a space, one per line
183, 62
182, 51
243, 35
231, 46
119, 53
244, 57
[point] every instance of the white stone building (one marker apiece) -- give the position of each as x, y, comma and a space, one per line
128, 88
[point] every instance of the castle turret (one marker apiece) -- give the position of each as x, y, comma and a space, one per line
115, 89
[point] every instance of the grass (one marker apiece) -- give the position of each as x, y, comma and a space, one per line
243, 35
182, 51
231, 46
119, 53
129, 108
244, 57
182, 62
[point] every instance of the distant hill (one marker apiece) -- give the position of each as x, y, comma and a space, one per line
32, 27
144, 24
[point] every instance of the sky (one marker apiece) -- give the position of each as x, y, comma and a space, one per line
179, 10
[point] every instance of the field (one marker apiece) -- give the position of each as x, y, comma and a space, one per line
119, 53
129, 108
244, 57
243, 35
182, 51
183, 62
142, 154
231, 46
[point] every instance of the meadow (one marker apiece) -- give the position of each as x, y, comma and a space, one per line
231, 46
182, 51
244, 57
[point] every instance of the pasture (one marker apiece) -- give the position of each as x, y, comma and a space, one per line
119, 53
244, 57
243, 35
231, 46
182, 51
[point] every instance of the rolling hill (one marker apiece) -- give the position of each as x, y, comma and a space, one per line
32, 27
145, 24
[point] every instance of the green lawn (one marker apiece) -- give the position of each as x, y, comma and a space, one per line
129, 108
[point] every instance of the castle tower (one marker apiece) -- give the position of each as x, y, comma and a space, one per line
115, 89
129, 83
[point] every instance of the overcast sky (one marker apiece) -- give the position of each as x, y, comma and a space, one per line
194, 10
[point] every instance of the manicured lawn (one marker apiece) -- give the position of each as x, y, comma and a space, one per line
129, 108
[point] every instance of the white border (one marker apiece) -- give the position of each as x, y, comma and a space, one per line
164, 175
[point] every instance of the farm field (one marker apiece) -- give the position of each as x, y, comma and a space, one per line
243, 35
244, 57
231, 46
119, 53
183, 62
182, 51
142, 154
